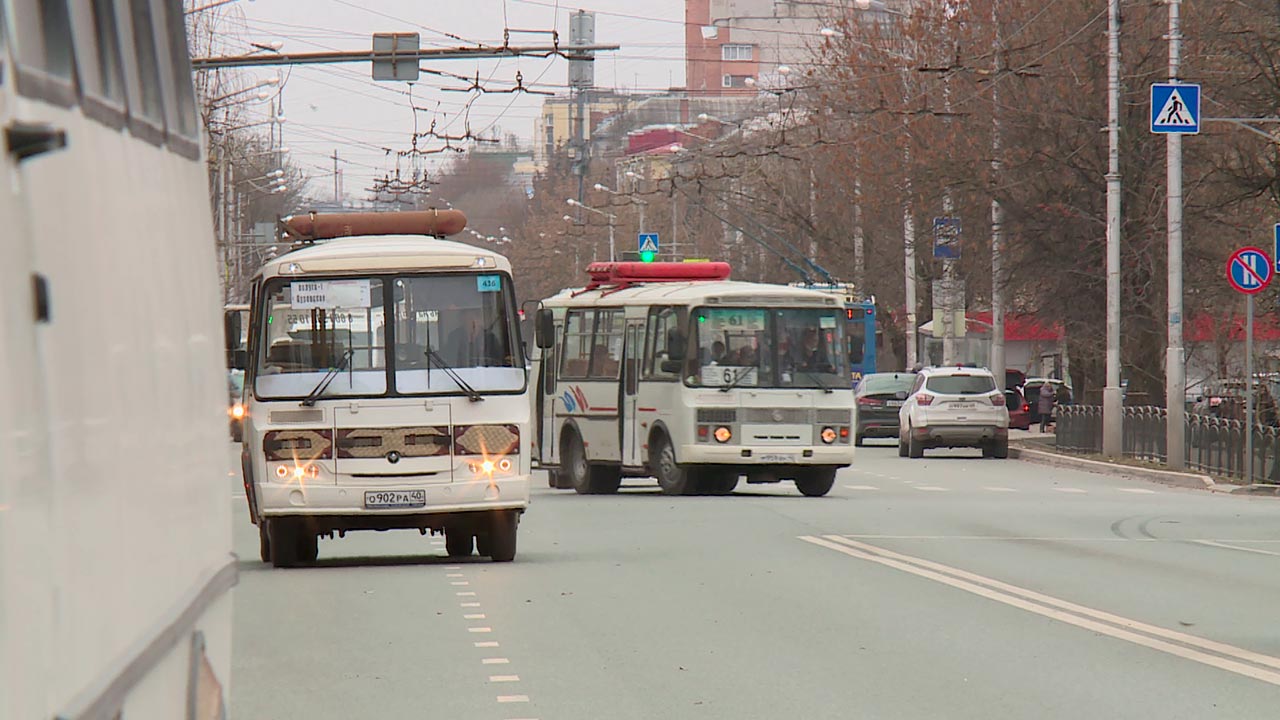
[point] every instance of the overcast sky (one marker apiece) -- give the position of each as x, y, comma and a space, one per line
340, 107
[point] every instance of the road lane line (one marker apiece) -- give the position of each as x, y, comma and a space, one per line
469, 605
495, 661
504, 678
452, 567
1000, 489
513, 698
1058, 609
1006, 537
474, 616
931, 488
455, 575
1070, 490
460, 583
479, 629
862, 487
486, 644
1138, 491
466, 593
1211, 543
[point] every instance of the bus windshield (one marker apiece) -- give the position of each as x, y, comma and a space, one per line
399, 336
757, 347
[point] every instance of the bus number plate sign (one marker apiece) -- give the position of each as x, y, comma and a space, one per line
381, 499
719, 375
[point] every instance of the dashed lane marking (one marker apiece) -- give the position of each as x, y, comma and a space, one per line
862, 487
1000, 489
1225, 546
495, 661
931, 488
469, 605
513, 698
454, 575
479, 629
474, 616
466, 593
486, 644
1138, 491
1071, 490
504, 678
460, 583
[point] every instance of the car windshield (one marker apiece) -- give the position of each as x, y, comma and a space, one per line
886, 383
465, 319
757, 347
960, 384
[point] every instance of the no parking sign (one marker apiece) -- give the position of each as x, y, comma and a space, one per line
1249, 270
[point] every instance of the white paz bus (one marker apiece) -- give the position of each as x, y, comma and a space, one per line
670, 370
385, 388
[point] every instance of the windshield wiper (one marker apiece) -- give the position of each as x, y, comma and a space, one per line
434, 357
825, 388
323, 385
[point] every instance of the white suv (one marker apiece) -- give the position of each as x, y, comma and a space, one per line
954, 407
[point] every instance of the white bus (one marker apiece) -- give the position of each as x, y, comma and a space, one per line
386, 388
670, 370
115, 509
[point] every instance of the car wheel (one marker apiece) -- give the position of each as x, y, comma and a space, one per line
501, 542
915, 448
815, 482
902, 447
264, 541
672, 478
857, 439
458, 542
1000, 450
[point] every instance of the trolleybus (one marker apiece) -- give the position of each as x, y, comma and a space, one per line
671, 370
386, 388
115, 506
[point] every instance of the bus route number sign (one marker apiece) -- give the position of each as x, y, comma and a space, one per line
720, 375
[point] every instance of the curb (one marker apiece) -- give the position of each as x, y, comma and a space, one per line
1165, 477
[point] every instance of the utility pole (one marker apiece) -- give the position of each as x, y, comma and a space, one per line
1175, 373
582, 32
997, 216
1112, 401
337, 198
909, 251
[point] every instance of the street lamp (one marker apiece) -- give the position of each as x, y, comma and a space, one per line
611, 216
631, 198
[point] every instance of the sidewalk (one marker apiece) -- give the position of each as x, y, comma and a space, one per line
1033, 447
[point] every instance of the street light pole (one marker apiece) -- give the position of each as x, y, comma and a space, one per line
1112, 401
1175, 373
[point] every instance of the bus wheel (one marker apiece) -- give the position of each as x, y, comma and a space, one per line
573, 463
673, 479
501, 543
458, 542
264, 541
718, 482
815, 482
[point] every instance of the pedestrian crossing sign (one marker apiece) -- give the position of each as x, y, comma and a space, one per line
1175, 108
647, 242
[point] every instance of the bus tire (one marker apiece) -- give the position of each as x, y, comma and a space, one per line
672, 478
502, 535
458, 542
605, 479
815, 482
573, 463
264, 541
718, 482
283, 536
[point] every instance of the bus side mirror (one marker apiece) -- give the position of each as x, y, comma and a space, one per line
544, 330
238, 359
231, 330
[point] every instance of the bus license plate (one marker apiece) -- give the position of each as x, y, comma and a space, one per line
383, 499
778, 458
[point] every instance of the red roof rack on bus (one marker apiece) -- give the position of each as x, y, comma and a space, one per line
317, 226
620, 275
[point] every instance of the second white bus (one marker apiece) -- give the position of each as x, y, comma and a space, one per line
670, 370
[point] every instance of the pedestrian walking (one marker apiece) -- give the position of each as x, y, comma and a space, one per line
1045, 405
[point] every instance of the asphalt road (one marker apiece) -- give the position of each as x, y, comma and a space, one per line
949, 587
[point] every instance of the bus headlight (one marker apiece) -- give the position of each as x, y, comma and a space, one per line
488, 467
723, 434
828, 435
237, 412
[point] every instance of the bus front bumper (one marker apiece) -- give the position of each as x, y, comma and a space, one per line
505, 493
738, 455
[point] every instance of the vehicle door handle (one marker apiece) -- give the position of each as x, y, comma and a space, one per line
26, 140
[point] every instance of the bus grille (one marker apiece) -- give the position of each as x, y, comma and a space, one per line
834, 417
717, 415
796, 416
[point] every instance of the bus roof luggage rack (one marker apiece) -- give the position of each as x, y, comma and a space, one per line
620, 275
306, 229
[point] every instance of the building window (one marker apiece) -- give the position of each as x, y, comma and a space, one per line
737, 52
734, 81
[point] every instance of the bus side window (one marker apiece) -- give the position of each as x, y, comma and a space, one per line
664, 341
576, 353
606, 355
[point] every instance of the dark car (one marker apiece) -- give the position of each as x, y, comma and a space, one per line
1019, 410
1031, 391
877, 400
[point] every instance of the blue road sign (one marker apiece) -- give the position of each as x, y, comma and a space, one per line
946, 237
647, 242
1175, 108
1276, 255
1249, 270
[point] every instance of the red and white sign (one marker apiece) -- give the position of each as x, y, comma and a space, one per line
1249, 270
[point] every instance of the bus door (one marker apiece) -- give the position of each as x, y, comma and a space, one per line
627, 390
547, 406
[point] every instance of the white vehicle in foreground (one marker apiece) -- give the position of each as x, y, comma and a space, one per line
670, 370
115, 517
954, 407
386, 388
